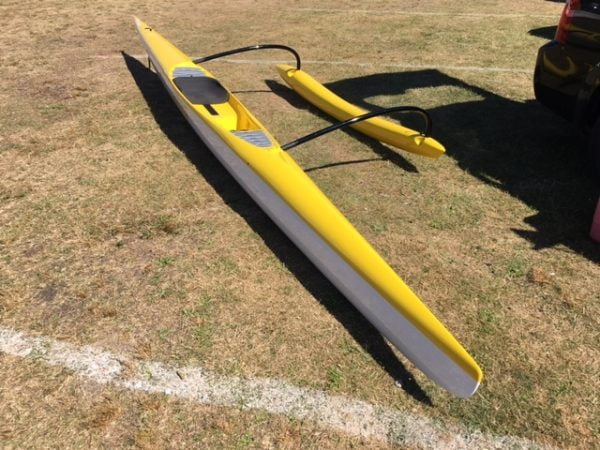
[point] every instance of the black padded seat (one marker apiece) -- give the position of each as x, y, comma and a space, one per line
201, 90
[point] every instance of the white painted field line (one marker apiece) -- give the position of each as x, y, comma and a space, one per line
195, 384
395, 12
403, 66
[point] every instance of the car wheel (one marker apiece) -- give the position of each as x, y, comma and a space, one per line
593, 149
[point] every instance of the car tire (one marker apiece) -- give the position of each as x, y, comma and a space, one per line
593, 150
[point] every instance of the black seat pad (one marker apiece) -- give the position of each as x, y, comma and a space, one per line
202, 90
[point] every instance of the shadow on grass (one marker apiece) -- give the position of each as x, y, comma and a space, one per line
544, 32
175, 127
518, 148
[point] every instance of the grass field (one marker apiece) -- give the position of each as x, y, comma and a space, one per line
119, 229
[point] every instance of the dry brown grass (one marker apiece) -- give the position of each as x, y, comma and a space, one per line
119, 229
47, 406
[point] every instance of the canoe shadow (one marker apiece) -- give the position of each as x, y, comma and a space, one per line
176, 128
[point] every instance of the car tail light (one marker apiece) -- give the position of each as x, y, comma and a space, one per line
565, 20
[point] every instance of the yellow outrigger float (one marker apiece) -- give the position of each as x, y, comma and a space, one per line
291, 199
383, 130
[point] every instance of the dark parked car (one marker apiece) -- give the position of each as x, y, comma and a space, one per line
567, 72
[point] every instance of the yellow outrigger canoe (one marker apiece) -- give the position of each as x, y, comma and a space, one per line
291, 199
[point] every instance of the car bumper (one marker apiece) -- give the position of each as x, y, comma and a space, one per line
558, 79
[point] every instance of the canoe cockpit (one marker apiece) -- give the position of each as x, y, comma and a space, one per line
204, 91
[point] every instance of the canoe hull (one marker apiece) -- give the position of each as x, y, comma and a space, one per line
408, 338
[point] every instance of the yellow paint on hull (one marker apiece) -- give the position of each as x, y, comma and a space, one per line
378, 128
281, 173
